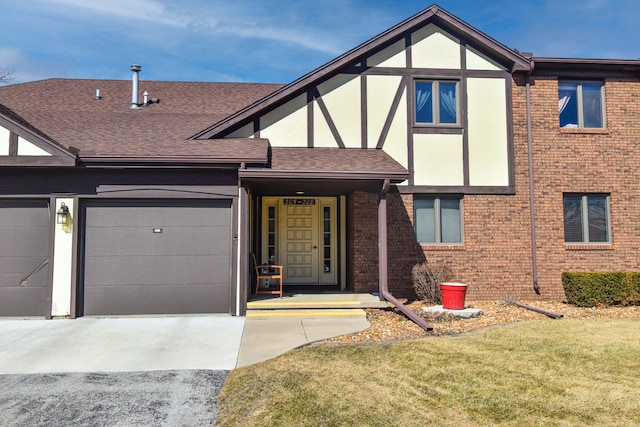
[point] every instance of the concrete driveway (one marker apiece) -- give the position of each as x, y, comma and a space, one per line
120, 344
116, 371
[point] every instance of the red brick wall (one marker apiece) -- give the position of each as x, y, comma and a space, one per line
587, 162
362, 241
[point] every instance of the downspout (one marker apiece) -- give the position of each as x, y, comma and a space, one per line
532, 207
383, 262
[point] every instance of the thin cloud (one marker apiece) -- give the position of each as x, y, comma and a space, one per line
302, 39
139, 10
151, 11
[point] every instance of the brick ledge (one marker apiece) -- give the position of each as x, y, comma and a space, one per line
588, 131
589, 247
443, 247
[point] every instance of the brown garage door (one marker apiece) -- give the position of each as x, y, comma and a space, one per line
24, 257
159, 257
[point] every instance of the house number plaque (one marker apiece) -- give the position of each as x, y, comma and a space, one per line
299, 201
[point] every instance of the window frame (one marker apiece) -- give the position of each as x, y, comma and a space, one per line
435, 101
438, 218
580, 103
584, 211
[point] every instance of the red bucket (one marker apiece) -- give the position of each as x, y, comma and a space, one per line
453, 295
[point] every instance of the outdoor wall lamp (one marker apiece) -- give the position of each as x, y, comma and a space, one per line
62, 215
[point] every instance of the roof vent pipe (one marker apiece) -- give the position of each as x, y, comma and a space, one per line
145, 99
134, 87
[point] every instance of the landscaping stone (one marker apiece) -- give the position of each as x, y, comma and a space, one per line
467, 313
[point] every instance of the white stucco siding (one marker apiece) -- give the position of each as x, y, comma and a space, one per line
380, 93
245, 131
62, 262
322, 135
286, 126
396, 143
4, 141
487, 134
434, 48
479, 61
392, 56
438, 159
342, 97
26, 148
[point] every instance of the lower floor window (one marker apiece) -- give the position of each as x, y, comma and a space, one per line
438, 220
586, 218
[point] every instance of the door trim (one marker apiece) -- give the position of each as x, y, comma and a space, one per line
273, 217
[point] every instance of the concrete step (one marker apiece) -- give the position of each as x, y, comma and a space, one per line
308, 313
316, 302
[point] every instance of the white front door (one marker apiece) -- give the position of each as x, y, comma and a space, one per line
302, 233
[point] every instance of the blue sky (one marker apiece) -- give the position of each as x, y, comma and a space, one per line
276, 41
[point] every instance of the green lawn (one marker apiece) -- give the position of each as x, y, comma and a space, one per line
548, 373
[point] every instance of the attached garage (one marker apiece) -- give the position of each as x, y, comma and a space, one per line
156, 257
25, 235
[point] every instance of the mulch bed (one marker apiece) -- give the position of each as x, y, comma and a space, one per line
391, 325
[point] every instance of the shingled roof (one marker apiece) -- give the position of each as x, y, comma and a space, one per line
333, 163
107, 130
66, 112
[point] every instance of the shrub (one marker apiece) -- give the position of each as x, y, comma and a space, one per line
427, 278
610, 288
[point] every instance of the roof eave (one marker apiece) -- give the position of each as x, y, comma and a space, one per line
303, 174
577, 67
173, 160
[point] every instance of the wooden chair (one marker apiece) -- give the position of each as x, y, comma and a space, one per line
268, 272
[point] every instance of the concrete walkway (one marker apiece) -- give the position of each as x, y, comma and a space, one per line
266, 337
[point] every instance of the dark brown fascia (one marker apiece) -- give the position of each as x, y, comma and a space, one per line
563, 66
22, 161
447, 20
305, 174
171, 160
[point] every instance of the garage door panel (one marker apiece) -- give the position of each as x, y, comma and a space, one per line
129, 241
165, 299
157, 257
24, 241
29, 301
161, 216
143, 271
24, 212
14, 269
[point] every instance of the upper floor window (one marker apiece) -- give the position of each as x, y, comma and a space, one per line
436, 102
586, 218
438, 219
581, 104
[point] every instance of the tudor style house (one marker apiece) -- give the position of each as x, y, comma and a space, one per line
431, 141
